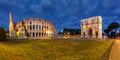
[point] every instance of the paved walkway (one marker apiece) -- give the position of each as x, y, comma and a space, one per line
115, 52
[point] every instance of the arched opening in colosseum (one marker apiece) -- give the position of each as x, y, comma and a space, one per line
36, 34
33, 34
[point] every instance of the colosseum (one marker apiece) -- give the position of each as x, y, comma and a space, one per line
31, 28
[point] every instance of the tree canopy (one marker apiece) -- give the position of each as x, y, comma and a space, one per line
111, 27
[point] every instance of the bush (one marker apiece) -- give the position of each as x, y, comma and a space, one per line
2, 34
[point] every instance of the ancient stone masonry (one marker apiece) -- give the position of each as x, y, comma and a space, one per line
91, 27
11, 26
32, 28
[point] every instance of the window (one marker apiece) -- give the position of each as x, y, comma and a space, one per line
30, 22
39, 27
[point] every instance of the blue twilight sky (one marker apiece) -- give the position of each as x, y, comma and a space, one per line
63, 13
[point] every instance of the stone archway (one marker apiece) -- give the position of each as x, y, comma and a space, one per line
90, 31
90, 26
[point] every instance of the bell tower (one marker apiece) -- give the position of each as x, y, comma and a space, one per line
11, 26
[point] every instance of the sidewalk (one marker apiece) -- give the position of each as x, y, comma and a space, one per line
115, 52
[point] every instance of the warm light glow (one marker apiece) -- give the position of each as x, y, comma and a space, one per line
68, 33
117, 31
49, 31
17, 33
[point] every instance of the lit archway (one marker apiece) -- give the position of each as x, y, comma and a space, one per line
90, 32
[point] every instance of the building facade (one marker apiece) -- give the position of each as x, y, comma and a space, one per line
91, 27
31, 28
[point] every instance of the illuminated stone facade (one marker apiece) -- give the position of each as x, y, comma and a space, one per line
11, 26
32, 28
91, 27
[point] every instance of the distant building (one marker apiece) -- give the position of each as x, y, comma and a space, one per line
91, 27
31, 28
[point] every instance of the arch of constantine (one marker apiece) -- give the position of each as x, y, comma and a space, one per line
91, 28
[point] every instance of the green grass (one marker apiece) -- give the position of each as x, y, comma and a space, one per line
53, 49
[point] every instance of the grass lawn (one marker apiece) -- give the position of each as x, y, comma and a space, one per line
53, 49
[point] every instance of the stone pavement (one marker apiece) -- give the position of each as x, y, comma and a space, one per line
115, 52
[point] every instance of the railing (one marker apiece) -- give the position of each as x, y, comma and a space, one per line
106, 54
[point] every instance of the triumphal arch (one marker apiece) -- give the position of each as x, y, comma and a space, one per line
91, 27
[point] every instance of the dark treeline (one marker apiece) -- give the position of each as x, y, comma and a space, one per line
2, 34
69, 31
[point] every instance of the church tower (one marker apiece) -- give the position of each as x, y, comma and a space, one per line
11, 25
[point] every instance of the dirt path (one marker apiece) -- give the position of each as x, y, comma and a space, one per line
115, 52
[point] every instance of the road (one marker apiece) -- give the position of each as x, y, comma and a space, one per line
115, 52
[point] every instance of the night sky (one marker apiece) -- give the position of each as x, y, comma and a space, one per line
63, 13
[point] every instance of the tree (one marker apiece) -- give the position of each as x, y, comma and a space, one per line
69, 31
2, 34
111, 27
107, 31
